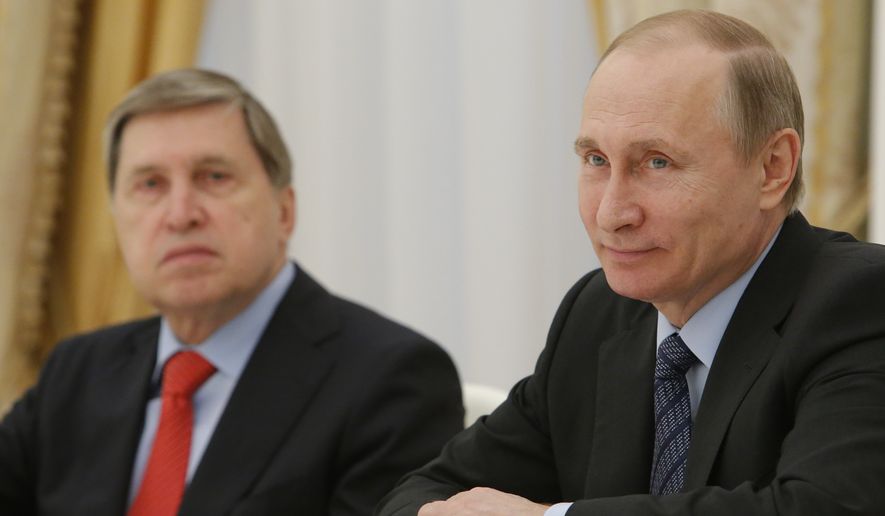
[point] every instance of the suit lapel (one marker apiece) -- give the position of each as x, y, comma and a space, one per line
739, 361
748, 343
623, 438
117, 421
288, 365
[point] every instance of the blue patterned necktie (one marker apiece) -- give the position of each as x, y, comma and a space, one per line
672, 416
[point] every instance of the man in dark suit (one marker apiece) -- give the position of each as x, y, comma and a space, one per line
255, 391
728, 358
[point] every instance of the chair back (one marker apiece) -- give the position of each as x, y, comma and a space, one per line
480, 400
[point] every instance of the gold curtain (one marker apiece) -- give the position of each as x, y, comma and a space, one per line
87, 286
828, 45
37, 47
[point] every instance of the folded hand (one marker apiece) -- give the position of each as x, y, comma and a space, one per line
483, 501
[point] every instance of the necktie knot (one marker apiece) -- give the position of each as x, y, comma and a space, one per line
674, 358
184, 373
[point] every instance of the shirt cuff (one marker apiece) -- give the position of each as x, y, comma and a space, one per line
558, 509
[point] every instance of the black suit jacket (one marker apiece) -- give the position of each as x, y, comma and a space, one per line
791, 421
334, 405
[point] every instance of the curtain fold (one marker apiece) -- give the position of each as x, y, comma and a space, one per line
876, 160
37, 45
87, 285
838, 175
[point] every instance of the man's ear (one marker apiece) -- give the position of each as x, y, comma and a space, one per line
287, 209
780, 157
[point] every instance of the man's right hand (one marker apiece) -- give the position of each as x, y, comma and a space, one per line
483, 501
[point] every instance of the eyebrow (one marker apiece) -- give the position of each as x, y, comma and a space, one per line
213, 160
209, 160
583, 144
143, 169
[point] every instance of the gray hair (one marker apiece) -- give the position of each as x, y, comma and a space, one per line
191, 87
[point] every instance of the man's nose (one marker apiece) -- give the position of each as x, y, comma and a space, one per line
184, 209
619, 207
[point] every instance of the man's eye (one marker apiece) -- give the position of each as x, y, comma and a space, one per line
658, 163
595, 160
149, 183
213, 177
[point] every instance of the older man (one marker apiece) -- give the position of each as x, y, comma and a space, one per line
728, 358
255, 391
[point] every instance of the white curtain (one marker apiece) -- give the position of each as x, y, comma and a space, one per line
433, 146
877, 128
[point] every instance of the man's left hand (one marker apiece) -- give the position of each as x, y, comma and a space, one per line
486, 502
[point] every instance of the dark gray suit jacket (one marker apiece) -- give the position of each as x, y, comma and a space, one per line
792, 419
334, 405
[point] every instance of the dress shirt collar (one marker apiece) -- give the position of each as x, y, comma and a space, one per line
703, 331
231, 345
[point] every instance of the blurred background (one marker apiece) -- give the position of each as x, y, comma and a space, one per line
432, 140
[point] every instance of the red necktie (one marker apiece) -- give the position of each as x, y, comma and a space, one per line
163, 484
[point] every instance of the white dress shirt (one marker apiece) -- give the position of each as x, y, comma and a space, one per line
228, 349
